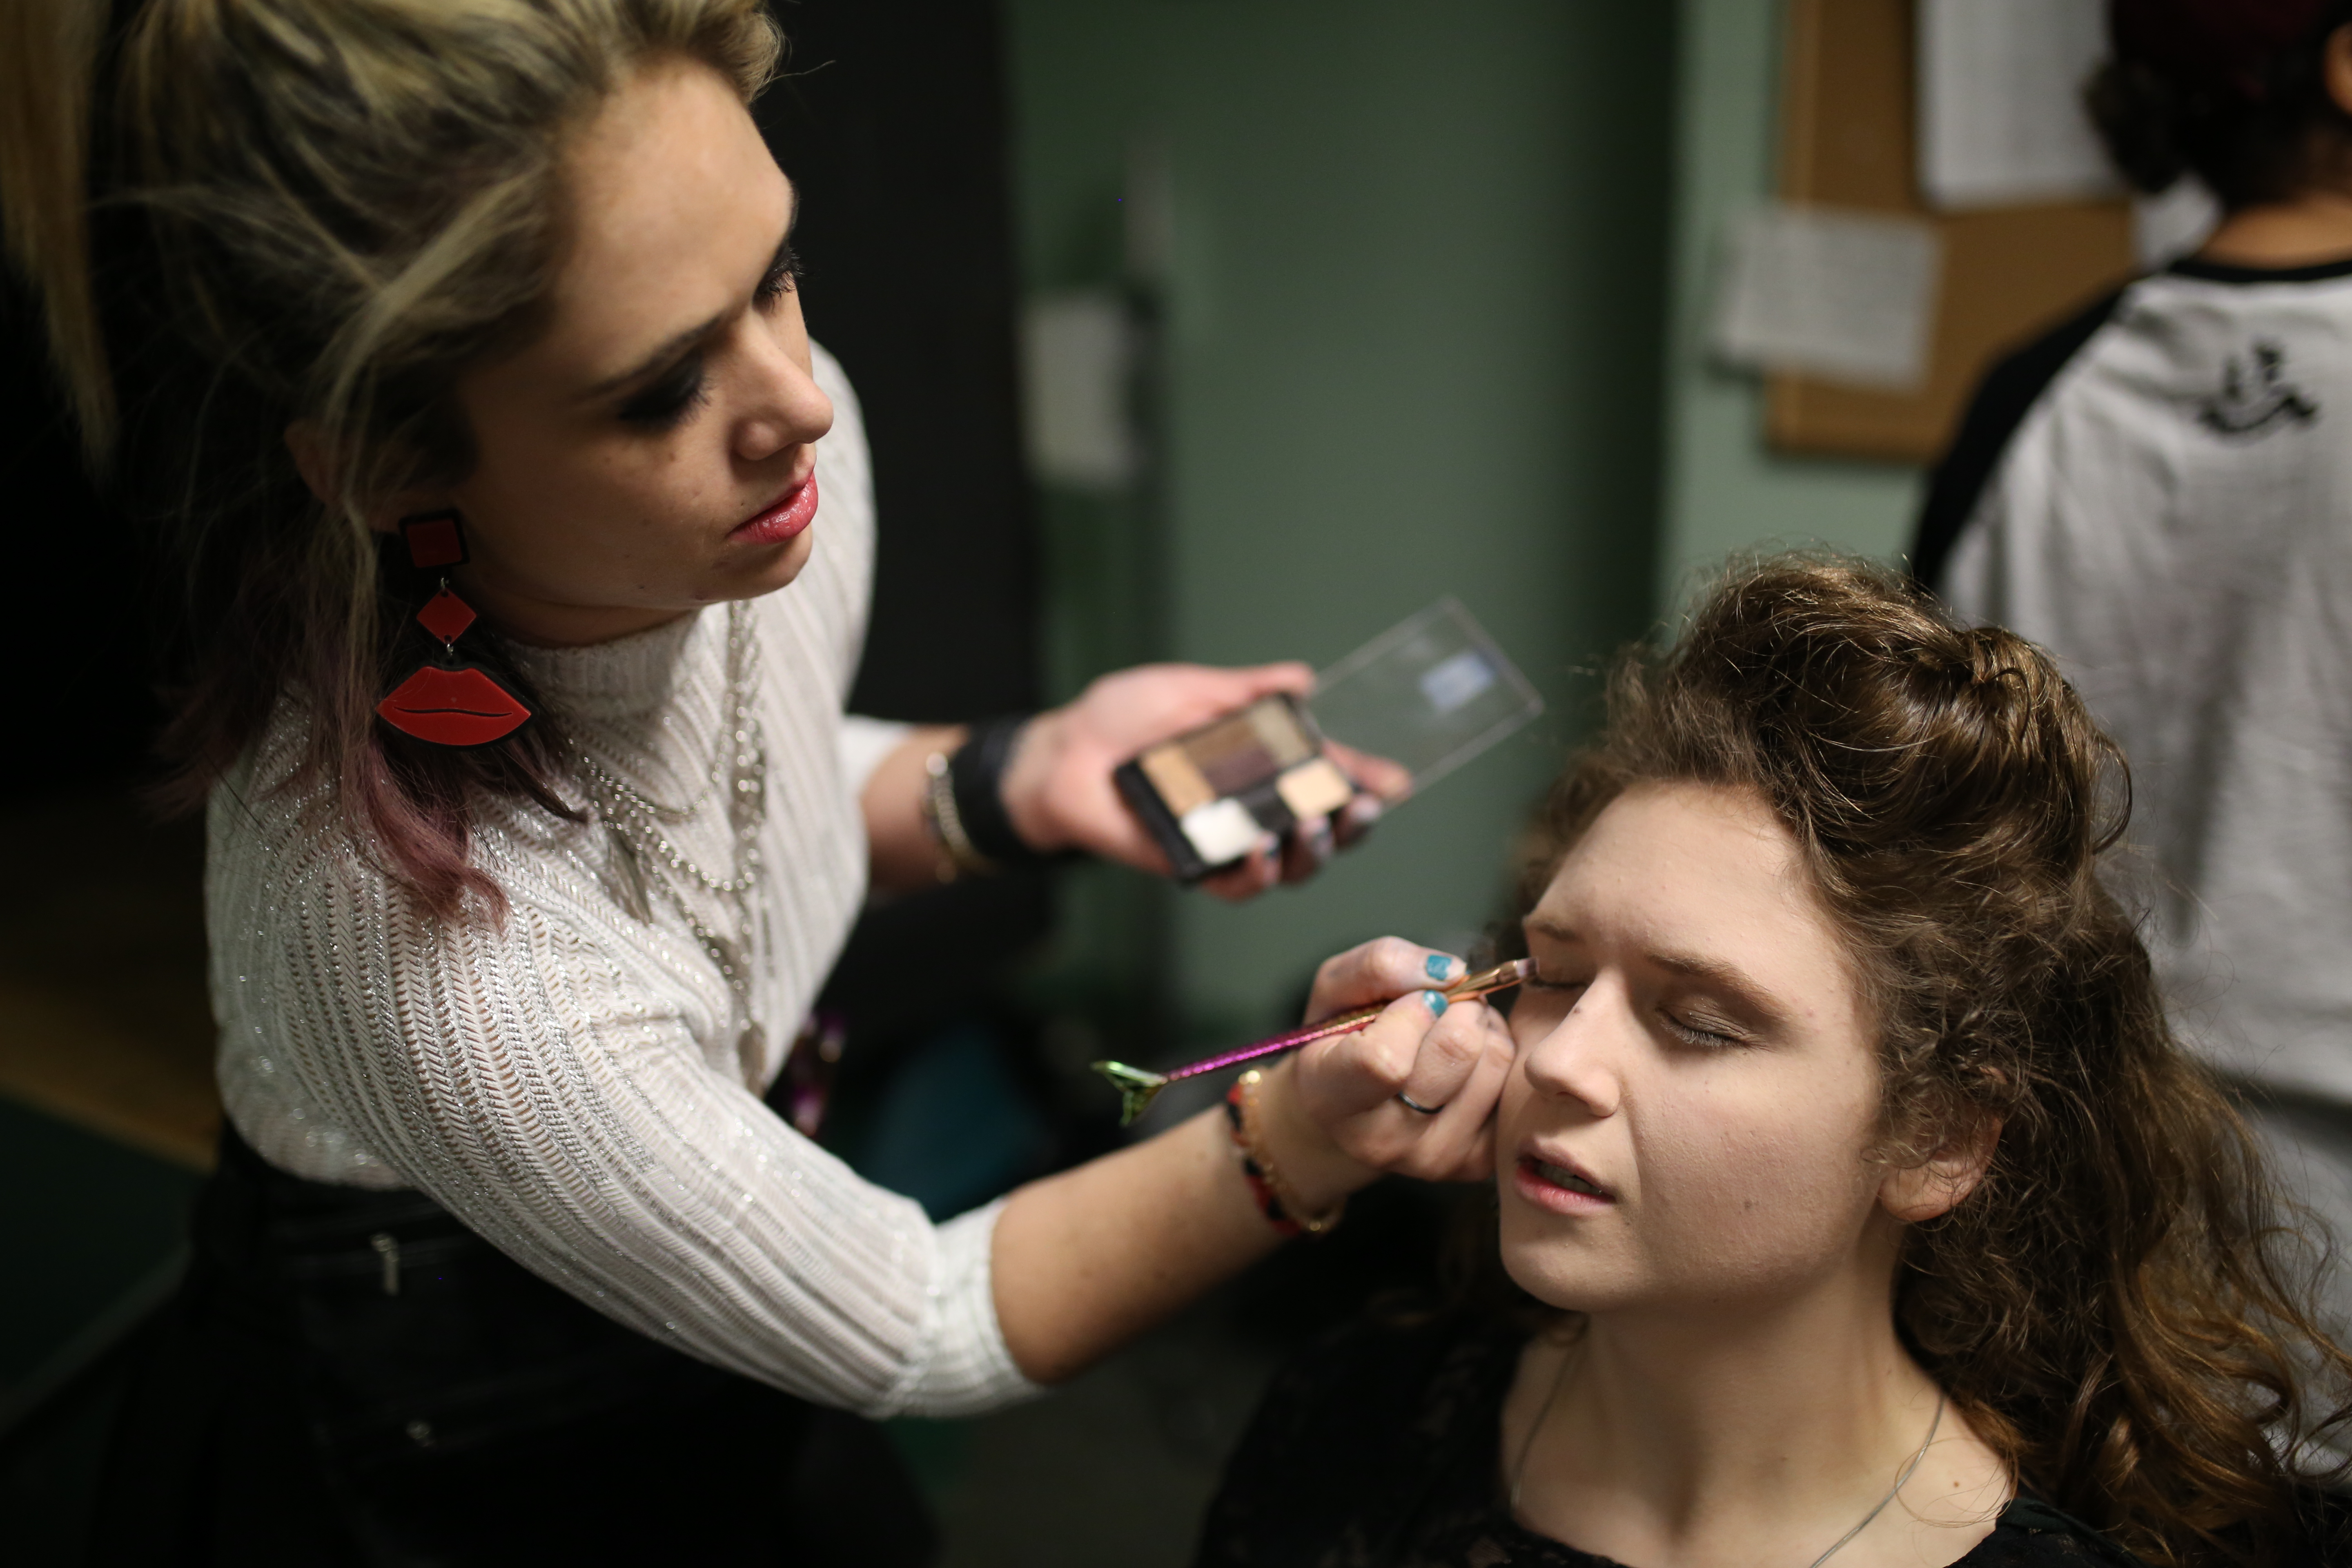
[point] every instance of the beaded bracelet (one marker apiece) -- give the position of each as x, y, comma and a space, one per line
1276, 1200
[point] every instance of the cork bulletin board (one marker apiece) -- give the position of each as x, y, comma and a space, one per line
1846, 129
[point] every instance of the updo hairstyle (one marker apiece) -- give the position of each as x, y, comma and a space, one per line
2232, 91
2115, 1305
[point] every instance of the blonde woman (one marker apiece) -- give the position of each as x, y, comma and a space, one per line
486, 310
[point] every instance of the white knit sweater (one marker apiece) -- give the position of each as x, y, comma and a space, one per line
566, 1081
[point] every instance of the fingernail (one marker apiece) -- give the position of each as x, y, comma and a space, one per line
1434, 1002
1441, 967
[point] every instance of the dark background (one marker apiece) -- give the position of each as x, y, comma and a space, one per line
82, 710
890, 120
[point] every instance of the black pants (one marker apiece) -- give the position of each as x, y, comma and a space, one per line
297, 1403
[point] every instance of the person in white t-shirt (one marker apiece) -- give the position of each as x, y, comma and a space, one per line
2159, 491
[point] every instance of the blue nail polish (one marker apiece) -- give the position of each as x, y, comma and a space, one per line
1440, 967
1435, 1002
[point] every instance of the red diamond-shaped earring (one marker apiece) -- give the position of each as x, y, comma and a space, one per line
447, 702
446, 617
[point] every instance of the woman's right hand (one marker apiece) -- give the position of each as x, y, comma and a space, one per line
1336, 1102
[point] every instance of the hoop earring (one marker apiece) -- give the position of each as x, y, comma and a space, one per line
444, 700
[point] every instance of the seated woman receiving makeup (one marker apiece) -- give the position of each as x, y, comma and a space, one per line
1855, 1203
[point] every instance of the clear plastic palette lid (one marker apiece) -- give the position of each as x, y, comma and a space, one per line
1428, 694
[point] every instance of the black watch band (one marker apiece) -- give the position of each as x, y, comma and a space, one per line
976, 775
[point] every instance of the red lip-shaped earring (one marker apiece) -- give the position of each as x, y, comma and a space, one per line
449, 703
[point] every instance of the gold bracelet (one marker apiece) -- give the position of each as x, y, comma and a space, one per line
1277, 1198
938, 809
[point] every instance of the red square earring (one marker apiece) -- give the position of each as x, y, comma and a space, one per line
446, 701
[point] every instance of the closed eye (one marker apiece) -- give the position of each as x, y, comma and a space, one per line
784, 274
1538, 983
1705, 1040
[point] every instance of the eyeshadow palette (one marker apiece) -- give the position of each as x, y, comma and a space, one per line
1207, 795
1389, 720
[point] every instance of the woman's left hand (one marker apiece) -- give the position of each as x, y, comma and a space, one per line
1059, 794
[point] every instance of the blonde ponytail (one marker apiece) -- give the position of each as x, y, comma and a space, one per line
48, 56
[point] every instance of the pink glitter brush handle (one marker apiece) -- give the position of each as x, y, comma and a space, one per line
1345, 1024
1139, 1085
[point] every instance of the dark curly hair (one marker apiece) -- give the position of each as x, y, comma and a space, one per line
2117, 1305
2233, 92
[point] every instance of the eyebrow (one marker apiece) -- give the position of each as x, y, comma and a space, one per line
1718, 975
1728, 978
675, 345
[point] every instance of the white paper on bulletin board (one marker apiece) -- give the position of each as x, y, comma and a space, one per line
1845, 294
2001, 122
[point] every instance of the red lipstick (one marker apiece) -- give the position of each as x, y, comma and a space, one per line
787, 515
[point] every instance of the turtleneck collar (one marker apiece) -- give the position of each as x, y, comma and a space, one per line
630, 677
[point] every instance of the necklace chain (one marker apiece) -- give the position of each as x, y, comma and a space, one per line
1559, 1378
638, 818
637, 821
1900, 1482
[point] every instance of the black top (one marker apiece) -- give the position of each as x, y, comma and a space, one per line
1380, 1449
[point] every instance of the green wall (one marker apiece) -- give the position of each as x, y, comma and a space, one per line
1723, 490
1432, 321
1412, 313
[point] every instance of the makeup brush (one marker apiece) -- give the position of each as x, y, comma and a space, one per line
1138, 1087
